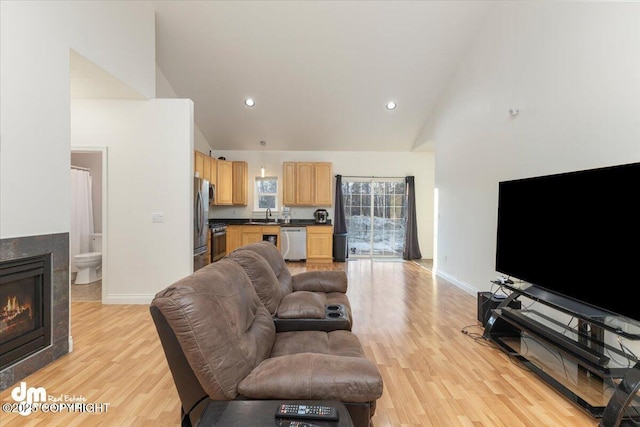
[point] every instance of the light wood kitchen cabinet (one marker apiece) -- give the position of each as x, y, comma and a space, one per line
206, 168
198, 166
307, 184
251, 234
320, 244
289, 184
240, 182
213, 170
240, 235
234, 237
224, 183
323, 184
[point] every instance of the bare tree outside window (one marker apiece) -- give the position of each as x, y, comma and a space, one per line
266, 193
375, 214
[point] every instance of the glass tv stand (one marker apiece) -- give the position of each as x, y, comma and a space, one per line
577, 356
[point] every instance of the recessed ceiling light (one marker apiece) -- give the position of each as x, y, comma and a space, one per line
249, 102
391, 105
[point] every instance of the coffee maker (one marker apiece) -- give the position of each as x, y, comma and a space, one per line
286, 215
320, 216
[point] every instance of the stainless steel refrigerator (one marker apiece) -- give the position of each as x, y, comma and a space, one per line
200, 222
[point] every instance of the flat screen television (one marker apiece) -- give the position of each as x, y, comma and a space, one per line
576, 234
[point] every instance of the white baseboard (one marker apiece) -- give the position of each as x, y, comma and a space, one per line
471, 290
128, 299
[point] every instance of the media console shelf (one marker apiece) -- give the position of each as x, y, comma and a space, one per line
579, 361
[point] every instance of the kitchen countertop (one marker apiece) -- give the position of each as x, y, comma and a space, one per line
245, 221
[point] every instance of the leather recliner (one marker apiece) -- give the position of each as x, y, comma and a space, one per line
220, 343
311, 300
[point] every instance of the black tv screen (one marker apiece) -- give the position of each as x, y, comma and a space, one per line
576, 234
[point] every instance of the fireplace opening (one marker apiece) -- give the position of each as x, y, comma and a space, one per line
25, 307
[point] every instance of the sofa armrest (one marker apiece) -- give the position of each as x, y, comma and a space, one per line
302, 305
312, 376
320, 281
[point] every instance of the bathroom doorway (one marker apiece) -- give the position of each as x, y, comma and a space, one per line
93, 161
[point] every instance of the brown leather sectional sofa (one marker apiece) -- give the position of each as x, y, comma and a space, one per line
221, 343
311, 300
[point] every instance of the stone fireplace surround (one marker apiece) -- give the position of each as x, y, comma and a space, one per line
58, 246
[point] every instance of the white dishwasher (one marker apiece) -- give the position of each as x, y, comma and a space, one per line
294, 243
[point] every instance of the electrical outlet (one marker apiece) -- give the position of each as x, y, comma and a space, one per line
157, 217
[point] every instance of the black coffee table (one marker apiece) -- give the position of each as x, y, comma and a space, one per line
261, 413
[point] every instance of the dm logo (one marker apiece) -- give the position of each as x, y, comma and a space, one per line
29, 396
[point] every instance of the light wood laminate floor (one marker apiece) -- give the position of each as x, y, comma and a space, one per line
410, 325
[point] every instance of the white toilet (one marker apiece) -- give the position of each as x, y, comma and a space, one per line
89, 263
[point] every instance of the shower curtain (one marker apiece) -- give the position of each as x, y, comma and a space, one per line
81, 215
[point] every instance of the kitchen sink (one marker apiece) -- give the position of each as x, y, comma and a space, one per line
261, 222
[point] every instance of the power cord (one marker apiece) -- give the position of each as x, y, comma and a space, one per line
477, 337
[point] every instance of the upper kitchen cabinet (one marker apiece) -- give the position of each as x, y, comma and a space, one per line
304, 184
289, 184
307, 184
240, 179
198, 166
323, 184
213, 171
224, 183
205, 166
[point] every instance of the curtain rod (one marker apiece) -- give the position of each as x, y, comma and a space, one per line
360, 176
79, 168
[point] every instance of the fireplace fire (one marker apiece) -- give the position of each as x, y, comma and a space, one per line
16, 317
25, 307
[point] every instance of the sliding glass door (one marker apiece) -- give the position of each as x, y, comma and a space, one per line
375, 216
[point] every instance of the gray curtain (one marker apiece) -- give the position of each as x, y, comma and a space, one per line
340, 225
411, 247
340, 239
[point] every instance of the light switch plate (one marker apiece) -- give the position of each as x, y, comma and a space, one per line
157, 217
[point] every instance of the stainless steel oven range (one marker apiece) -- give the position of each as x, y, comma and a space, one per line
218, 240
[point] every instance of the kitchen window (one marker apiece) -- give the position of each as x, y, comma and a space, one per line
266, 192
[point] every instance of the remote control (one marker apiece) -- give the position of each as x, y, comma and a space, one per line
312, 412
293, 423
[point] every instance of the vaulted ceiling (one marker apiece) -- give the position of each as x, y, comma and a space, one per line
320, 72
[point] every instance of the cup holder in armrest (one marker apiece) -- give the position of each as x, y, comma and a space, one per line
335, 311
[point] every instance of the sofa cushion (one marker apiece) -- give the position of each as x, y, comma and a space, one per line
302, 305
277, 263
337, 343
262, 276
315, 377
320, 281
223, 328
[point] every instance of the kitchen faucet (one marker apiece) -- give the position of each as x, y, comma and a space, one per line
268, 214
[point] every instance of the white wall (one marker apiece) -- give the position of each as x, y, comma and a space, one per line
149, 157
165, 90
35, 39
572, 69
346, 163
